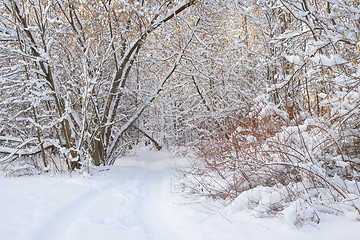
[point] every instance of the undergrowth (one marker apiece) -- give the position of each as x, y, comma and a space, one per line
296, 168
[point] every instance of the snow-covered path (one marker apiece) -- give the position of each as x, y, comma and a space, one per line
132, 201
127, 201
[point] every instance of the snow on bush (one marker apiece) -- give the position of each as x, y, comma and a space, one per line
273, 166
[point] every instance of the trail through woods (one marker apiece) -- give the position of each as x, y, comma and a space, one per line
133, 201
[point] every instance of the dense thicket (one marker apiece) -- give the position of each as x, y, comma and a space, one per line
293, 127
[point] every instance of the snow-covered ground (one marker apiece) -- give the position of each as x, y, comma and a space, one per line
133, 201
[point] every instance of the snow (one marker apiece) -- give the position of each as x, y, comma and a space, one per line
333, 60
294, 59
133, 200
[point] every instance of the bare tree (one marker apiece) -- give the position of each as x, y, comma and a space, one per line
71, 65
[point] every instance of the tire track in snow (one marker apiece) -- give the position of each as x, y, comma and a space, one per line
57, 223
144, 183
152, 206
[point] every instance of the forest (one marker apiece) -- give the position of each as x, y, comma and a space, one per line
258, 93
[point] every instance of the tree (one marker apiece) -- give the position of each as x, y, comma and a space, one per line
72, 66
299, 134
